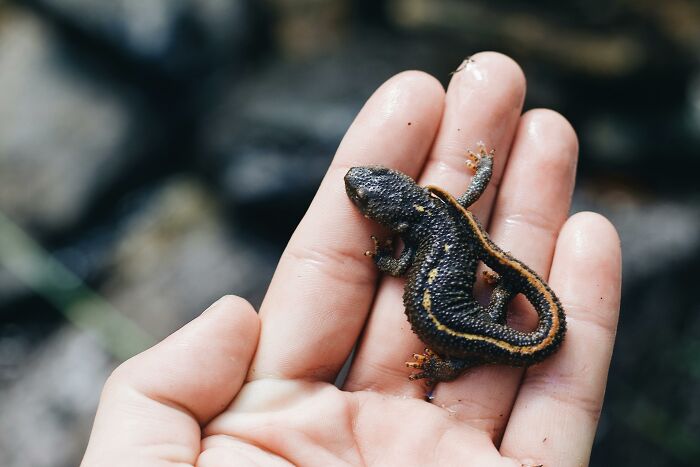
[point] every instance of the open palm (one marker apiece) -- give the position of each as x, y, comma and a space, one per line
237, 388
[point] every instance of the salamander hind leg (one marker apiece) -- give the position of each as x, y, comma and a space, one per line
502, 294
436, 369
491, 277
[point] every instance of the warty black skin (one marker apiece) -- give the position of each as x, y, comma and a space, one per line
443, 246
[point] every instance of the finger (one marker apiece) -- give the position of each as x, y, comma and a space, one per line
153, 404
555, 415
483, 102
319, 297
530, 209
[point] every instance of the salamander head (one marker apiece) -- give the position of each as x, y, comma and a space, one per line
384, 195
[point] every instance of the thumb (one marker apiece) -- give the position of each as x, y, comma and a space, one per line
153, 405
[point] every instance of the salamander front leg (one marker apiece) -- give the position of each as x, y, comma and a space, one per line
383, 256
481, 163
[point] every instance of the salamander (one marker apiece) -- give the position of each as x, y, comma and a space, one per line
444, 243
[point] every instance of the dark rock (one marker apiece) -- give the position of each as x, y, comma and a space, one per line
47, 411
175, 36
176, 255
655, 233
11, 288
64, 137
305, 27
589, 39
632, 145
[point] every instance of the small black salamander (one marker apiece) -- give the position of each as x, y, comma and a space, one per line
444, 243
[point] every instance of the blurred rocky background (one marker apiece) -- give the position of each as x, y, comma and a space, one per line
156, 154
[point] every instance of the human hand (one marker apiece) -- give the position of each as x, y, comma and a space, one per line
235, 388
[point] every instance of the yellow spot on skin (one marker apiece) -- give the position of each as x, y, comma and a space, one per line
432, 275
426, 301
419, 208
447, 247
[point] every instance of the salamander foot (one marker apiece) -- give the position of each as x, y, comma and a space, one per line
436, 368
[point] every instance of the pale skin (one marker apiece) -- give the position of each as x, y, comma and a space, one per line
238, 388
